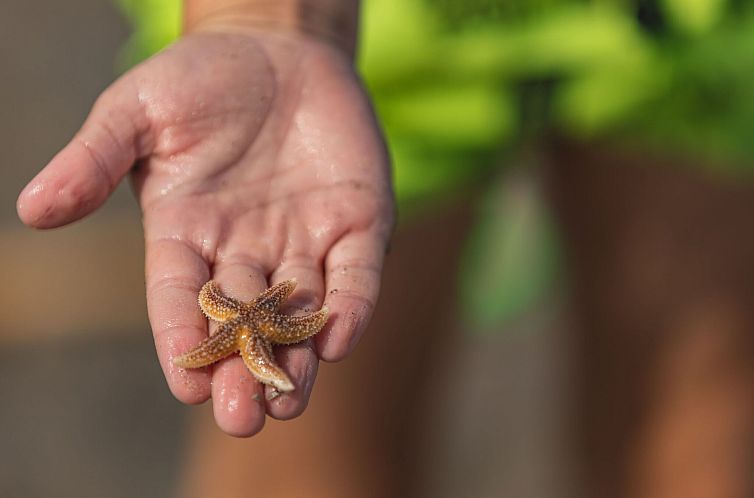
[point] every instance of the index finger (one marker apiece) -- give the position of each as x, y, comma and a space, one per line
174, 274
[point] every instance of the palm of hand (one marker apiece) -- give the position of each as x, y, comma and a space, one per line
257, 160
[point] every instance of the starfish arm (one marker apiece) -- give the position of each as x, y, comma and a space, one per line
216, 305
271, 299
257, 355
283, 329
214, 348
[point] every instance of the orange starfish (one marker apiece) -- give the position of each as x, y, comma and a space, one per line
251, 329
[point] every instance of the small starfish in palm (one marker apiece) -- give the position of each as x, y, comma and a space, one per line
251, 329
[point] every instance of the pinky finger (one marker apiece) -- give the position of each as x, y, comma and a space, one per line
352, 280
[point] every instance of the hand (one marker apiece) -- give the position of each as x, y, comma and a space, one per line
255, 158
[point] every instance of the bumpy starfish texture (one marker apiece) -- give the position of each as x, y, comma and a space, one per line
251, 329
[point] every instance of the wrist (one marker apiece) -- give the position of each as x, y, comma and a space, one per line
335, 21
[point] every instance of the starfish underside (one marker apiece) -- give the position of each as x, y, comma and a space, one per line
251, 329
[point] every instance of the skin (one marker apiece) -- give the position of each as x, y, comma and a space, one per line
255, 158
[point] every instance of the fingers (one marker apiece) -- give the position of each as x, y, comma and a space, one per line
237, 398
352, 275
299, 361
174, 275
82, 175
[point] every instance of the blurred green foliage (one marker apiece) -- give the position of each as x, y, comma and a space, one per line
449, 77
511, 256
155, 23
460, 84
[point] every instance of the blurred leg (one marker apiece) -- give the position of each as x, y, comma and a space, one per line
697, 441
662, 262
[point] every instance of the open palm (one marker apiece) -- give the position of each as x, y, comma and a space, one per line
255, 159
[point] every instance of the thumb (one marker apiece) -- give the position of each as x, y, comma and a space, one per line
82, 175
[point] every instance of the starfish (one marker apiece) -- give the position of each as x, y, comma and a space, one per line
251, 329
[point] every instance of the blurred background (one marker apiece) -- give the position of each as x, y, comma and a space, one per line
571, 283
